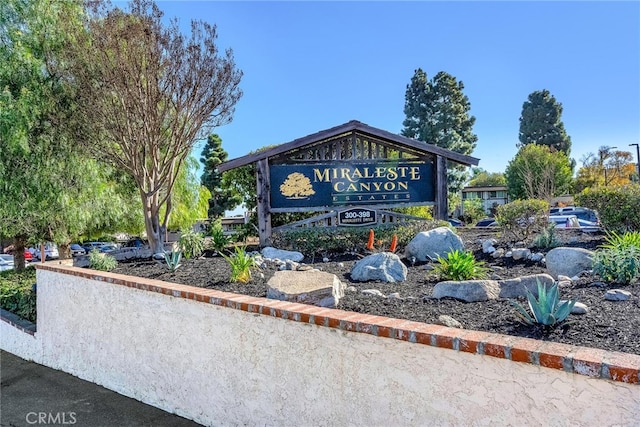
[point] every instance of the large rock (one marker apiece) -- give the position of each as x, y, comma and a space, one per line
433, 243
307, 287
468, 290
514, 288
383, 266
273, 253
568, 261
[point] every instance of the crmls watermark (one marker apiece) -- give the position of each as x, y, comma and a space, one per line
51, 418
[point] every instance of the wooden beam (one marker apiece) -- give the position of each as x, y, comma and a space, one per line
263, 188
441, 207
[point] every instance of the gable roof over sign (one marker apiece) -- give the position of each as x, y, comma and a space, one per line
351, 126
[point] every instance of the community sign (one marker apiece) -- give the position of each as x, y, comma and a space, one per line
346, 183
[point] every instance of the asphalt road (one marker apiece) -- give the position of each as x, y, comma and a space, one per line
34, 395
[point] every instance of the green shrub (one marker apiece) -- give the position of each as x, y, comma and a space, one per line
17, 293
191, 243
520, 219
617, 265
473, 211
547, 238
173, 260
218, 240
241, 264
616, 206
460, 265
320, 240
100, 261
547, 309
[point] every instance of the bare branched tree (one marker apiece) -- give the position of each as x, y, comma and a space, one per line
149, 94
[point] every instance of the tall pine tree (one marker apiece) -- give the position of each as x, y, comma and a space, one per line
541, 123
222, 197
437, 112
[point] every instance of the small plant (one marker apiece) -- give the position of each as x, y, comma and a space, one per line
219, 240
241, 264
547, 309
520, 219
191, 243
547, 238
622, 241
173, 260
617, 264
460, 265
100, 261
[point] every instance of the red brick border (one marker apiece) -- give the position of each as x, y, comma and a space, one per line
591, 362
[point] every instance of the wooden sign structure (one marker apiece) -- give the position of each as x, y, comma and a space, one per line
349, 166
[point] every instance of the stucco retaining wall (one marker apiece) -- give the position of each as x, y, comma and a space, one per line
225, 359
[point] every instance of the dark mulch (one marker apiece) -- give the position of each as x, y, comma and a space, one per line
608, 325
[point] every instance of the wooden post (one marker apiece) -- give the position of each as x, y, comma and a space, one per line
263, 187
441, 206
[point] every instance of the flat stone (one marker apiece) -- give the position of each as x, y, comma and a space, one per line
449, 321
579, 308
307, 287
468, 290
373, 292
617, 295
273, 253
513, 288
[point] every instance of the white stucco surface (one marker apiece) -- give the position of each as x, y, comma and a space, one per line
221, 366
20, 343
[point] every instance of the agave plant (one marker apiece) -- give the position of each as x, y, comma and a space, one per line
547, 309
173, 259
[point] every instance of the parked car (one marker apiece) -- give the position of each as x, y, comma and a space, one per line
28, 256
89, 246
9, 250
6, 262
77, 250
581, 212
135, 242
50, 251
564, 221
487, 222
108, 247
455, 222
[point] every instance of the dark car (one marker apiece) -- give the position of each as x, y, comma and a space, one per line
487, 222
77, 250
455, 222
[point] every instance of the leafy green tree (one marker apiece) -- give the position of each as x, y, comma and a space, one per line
222, 197
537, 172
189, 199
183, 85
541, 123
482, 178
437, 112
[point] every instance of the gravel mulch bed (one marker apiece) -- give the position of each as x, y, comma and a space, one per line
608, 325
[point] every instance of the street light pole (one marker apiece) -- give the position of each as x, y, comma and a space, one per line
637, 158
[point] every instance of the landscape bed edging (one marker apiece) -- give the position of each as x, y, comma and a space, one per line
596, 363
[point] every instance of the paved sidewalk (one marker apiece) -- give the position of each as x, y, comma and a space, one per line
34, 395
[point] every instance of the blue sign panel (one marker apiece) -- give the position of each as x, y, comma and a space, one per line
346, 183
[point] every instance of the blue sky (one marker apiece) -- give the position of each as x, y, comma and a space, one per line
309, 66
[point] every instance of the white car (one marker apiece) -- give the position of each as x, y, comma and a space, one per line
50, 251
6, 262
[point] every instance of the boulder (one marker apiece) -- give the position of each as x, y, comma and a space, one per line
273, 253
306, 287
468, 290
428, 245
383, 266
568, 261
514, 288
449, 321
520, 253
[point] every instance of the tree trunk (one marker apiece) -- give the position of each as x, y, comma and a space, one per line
18, 253
64, 252
155, 233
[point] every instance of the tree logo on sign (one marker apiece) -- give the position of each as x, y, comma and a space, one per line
297, 186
